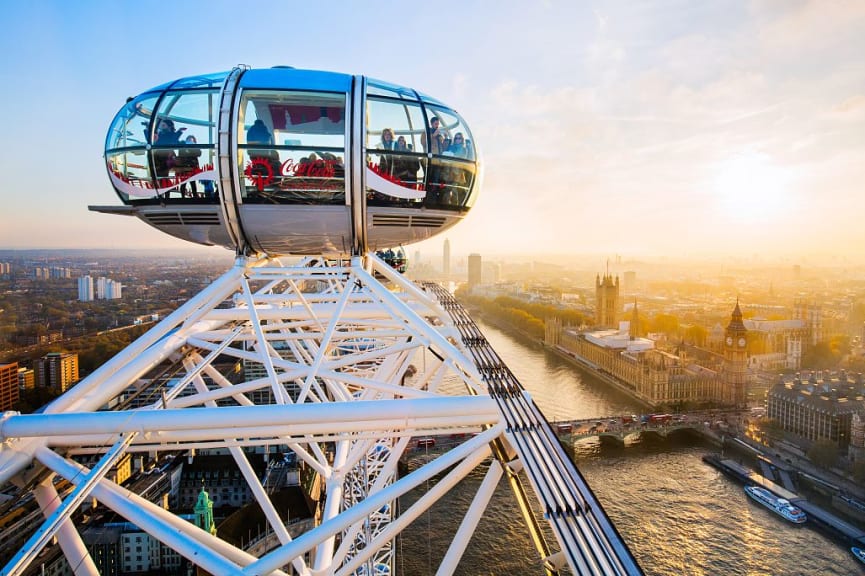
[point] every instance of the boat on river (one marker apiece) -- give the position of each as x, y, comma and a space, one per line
779, 506
859, 553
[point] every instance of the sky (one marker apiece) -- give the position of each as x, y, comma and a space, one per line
659, 127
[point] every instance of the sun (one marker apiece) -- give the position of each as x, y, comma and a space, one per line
749, 187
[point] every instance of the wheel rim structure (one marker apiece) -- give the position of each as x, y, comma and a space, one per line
354, 361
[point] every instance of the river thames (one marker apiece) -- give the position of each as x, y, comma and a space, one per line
677, 514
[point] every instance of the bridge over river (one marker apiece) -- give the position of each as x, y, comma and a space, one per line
612, 429
620, 428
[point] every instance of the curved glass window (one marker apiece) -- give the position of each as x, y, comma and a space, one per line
449, 136
193, 114
204, 81
394, 132
414, 162
292, 147
131, 126
379, 88
450, 183
130, 173
165, 154
183, 139
387, 120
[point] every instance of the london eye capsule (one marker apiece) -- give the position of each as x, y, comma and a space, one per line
286, 161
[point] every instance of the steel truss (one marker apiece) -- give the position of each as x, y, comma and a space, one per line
342, 369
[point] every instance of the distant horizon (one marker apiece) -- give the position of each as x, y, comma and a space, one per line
814, 260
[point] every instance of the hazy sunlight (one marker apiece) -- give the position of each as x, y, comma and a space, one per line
751, 188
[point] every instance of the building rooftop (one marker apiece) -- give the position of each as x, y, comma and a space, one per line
838, 393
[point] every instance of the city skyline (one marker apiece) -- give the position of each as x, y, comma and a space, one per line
663, 129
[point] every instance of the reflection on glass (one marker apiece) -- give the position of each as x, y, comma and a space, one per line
293, 177
165, 154
292, 147
380, 88
450, 136
403, 120
410, 180
192, 113
131, 126
180, 181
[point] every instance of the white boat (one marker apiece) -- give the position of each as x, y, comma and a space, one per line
777, 505
859, 553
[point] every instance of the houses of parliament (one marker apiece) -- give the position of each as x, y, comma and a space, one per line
615, 351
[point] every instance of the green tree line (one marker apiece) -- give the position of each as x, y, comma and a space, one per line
525, 316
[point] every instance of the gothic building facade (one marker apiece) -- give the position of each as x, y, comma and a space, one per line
607, 303
654, 376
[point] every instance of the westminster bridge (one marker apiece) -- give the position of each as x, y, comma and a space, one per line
711, 425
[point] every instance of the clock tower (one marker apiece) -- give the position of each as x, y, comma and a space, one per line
736, 358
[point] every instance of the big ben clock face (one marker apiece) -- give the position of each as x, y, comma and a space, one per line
741, 342
729, 340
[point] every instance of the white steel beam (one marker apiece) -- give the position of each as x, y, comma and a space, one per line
367, 415
470, 520
199, 546
61, 513
67, 536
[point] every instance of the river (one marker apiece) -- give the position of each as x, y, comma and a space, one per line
677, 514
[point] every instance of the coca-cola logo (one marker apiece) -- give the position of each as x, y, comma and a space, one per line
261, 170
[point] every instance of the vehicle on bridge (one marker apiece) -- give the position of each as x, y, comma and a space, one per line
659, 419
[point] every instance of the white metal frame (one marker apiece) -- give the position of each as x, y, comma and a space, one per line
367, 364
353, 370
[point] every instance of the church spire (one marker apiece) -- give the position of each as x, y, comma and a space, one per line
634, 329
204, 511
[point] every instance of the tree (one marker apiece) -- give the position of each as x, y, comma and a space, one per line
823, 453
696, 335
821, 357
666, 323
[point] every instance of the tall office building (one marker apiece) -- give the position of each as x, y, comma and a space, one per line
58, 370
102, 289
629, 280
8, 386
115, 290
26, 378
492, 272
85, 289
446, 258
59, 272
101, 283
474, 270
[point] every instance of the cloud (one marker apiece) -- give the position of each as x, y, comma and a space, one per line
812, 26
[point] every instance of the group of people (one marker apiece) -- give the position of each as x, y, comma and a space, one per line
402, 169
442, 144
184, 161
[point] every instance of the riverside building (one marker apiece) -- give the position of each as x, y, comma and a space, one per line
818, 406
654, 376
